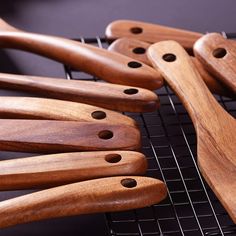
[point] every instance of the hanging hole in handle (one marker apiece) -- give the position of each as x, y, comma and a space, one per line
131, 91
169, 57
105, 134
136, 30
113, 158
139, 50
134, 64
99, 115
129, 183
219, 52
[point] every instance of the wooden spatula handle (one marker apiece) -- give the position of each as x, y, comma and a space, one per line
106, 65
47, 136
57, 169
92, 196
110, 96
218, 55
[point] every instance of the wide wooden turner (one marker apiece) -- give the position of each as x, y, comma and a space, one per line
215, 128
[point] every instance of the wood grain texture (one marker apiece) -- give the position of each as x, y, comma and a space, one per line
137, 49
215, 128
58, 169
52, 109
92, 196
218, 55
106, 95
109, 66
48, 136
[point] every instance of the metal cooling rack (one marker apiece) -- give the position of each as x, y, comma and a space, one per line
169, 143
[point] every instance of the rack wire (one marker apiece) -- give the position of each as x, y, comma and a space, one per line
169, 142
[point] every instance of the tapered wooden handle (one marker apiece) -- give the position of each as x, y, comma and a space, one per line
137, 49
218, 55
47, 136
111, 96
106, 65
52, 109
92, 196
57, 169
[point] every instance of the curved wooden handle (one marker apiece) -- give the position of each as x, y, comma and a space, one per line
46, 136
52, 109
218, 55
137, 49
110, 96
92, 196
57, 169
106, 65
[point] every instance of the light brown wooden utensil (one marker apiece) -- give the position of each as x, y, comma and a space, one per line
110, 96
106, 65
52, 109
57, 169
215, 128
92, 196
218, 55
137, 49
49, 136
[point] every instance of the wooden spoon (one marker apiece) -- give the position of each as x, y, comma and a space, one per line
110, 96
218, 55
92, 196
52, 109
215, 128
57, 169
137, 49
49, 136
99, 62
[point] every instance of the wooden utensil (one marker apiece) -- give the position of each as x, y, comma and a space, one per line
218, 55
137, 49
110, 96
92, 196
58, 169
49, 136
99, 62
52, 109
215, 128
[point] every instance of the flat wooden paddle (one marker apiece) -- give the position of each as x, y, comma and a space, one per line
110, 96
137, 49
92, 196
58, 169
218, 55
110, 66
52, 109
50, 136
215, 128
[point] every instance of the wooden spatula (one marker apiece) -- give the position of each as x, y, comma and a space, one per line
215, 128
49, 136
111, 96
92, 196
106, 65
218, 55
57, 169
137, 49
52, 109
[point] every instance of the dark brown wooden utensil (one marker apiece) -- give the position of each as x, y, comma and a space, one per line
137, 49
58, 169
110, 96
92, 196
49, 136
215, 128
218, 55
106, 65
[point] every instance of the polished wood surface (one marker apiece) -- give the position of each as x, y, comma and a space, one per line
50, 136
92, 196
106, 65
110, 96
215, 128
218, 55
57, 169
137, 49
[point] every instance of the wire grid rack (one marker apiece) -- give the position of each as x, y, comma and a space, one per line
169, 143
